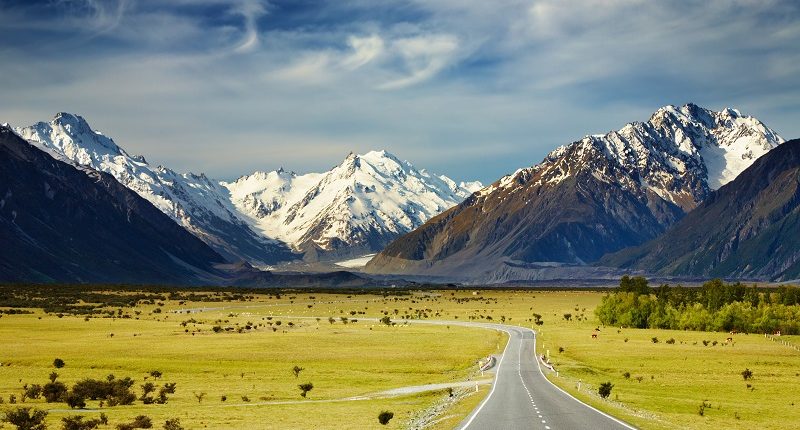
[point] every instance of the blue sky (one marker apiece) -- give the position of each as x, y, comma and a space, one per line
471, 89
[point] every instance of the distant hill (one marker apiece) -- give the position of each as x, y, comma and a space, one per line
749, 228
61, 223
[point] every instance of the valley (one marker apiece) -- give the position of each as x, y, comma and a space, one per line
200, 340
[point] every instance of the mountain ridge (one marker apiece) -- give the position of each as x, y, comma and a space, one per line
597, 195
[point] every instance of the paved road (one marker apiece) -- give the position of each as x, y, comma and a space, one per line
522, 398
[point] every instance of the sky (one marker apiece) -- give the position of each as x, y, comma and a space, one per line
470, 89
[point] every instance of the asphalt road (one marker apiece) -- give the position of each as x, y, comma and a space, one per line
522, 398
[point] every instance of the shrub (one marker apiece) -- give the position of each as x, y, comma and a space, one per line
567, 316
173, 424
296, 370
747, 374
76, 422
58, 363
386, 320
113, 391
140, 422
654, 339
605, 389
703, 406
26, 418
33, 391
199, 396
75, 401
384, 417
560, 349
671, 341
626, 375
305, 388
54, 392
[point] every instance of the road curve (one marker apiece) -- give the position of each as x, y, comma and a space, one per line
522, 398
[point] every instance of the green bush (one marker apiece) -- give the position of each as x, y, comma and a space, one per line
605, 389
26, 418
384, 417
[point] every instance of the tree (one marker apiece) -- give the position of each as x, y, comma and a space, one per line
636, 285
384, 417
173, 424
76, 422
140, 422
26, 418
75, 400
296, 370
305, 388
386, 320
58, 363
605, 389
54, 392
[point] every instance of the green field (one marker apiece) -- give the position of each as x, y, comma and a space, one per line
667, 385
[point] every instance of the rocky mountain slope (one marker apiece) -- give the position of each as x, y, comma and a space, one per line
356, 208
61, 223
594, 196
749, 228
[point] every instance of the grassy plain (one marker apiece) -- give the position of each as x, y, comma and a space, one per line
253, 369
667, 385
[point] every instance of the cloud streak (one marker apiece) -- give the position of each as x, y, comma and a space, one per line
225, 86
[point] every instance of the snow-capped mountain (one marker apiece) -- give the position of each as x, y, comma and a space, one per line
594, 196
357, 207
199, 204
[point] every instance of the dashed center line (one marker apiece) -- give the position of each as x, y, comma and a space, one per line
530, 396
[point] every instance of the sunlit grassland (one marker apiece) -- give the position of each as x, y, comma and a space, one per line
667, 384
253, 368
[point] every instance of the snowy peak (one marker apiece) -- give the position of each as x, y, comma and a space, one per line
72, 136
196, 202
362, 203
680, 153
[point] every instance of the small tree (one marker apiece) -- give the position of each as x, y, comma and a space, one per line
26, 418
54, 392
75, 400
386, 320
605, 389
199, 397
140, 422
305, 388
654, 339
331, 320
296, 370
173, 424
567, 316
747, 374
76, 422
58, 363
384, 417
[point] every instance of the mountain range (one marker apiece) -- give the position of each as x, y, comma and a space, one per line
266, 218
689, 192
594, 196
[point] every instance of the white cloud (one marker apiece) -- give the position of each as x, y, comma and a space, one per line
250, 10
424, 57
365, 49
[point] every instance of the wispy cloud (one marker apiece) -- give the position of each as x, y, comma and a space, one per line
492, 85
250, 11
